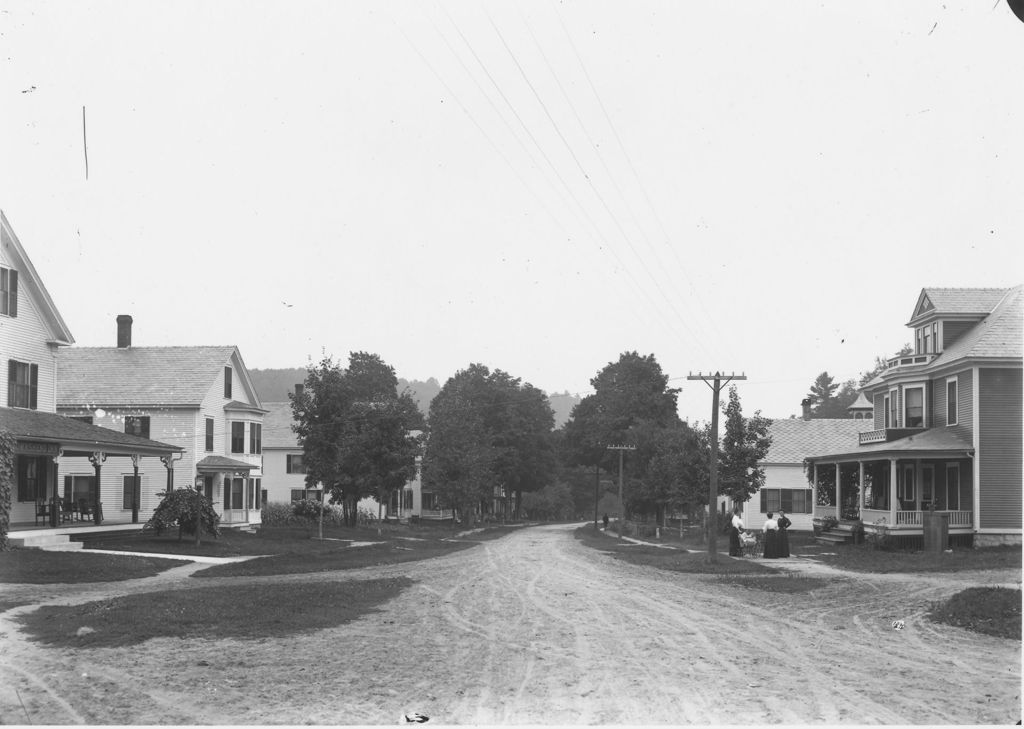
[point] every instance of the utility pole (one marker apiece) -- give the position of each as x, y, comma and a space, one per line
597, 493
622, 504
716, 388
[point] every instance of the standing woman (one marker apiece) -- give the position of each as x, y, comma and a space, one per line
735, 550
771, 538
784, 525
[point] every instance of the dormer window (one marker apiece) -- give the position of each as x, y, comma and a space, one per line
927, 340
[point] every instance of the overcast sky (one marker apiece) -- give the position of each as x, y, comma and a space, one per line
751, 187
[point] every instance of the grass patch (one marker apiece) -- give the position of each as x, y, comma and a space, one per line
296, 549
864, 558
786, 583
210, 613
990, 610
40, 567
675, 560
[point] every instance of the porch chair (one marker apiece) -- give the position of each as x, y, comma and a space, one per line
84, 509
42, 511
67, 513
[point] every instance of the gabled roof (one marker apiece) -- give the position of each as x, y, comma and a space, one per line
32, 285
243, 407
793, 439
130, 376
861, 403
999, 335
223, 463
34, 425
957, 301
277, 426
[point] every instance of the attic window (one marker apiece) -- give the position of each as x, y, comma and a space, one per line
227, 382
8, 291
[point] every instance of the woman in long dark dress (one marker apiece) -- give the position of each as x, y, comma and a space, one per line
784, 525
771, 538
735, 548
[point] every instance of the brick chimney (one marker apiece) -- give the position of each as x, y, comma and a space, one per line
807, 408
124, 331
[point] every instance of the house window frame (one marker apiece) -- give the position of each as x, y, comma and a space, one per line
237, 439
924, 405
24, 395
893, 408
290, 461
128, 490
143, 420
255, 437
953, 403
9, 291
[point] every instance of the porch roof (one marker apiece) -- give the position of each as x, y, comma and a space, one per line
76, 436
934, 442
222, 463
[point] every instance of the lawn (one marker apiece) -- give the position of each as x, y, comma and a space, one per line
990, 610
38, 567
200, 613
674, 559
864, 558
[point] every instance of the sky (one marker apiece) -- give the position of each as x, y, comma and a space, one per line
755, 188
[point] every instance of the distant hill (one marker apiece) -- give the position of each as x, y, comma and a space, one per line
274, 385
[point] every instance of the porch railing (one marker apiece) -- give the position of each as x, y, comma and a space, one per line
910, 518
916, 518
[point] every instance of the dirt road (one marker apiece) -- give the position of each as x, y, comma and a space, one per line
534, 628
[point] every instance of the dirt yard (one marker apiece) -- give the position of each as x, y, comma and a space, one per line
534, 628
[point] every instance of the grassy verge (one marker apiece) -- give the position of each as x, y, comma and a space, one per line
863, 558
785, 582
293, 550
990, 610
38, 567
675, 560
270, 611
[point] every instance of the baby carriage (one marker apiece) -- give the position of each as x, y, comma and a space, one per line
751, 543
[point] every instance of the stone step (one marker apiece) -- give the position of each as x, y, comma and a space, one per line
54, 542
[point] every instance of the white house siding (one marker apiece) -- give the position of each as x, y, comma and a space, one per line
276, 481
167, 425
779, 476
23, 338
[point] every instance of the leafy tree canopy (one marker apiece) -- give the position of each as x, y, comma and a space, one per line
744, 443
360, 437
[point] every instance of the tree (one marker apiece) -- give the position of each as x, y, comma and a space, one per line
881, 364
487, 430
672, 470
189, 510
744, 444
359, 436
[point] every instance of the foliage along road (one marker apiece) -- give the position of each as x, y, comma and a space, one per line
535, 628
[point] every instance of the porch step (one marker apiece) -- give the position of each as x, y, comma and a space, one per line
833, 537
47, 542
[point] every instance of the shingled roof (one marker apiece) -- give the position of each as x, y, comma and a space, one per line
998, 335
963, 301
277, 426
74, 435
795, 438
173, 376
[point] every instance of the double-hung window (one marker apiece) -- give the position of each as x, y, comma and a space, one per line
137, 425
913, 407
238, 437
255, 438
22, 384
952, 406
294, 463
8, 292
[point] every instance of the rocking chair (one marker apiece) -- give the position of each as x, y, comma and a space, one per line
42, 511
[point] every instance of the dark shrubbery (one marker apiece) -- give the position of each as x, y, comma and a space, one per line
186, 509
990, 610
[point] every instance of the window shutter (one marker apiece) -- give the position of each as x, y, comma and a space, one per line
764, 501
14, 294
227, 492
34, 387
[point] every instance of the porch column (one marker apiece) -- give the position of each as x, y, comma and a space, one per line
814, 483
839, 495
97, 459
56, 488
168, 462
860, 482
893, 474
136, 488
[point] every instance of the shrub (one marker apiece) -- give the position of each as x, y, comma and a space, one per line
829, 522
187, 509
276, 513
880, 537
